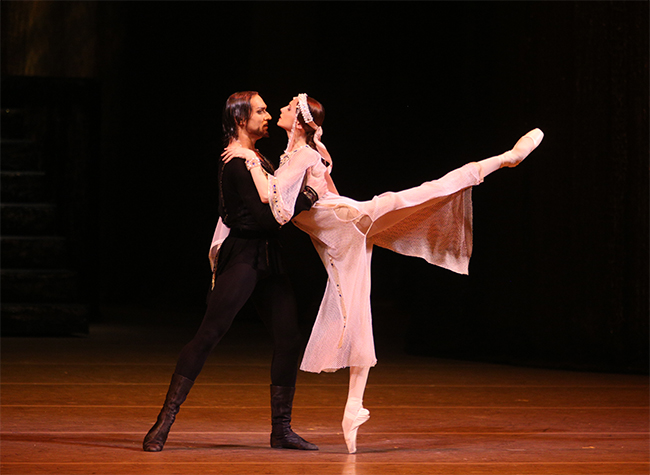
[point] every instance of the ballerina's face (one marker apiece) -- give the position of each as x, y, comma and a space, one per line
288, 115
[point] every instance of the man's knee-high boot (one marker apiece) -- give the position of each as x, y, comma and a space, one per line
157, 436
282, 437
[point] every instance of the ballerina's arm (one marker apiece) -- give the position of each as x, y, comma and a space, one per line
260, 177
289, 180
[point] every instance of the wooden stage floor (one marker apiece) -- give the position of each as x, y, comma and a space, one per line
83, 405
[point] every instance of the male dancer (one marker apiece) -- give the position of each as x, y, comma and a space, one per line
248, 265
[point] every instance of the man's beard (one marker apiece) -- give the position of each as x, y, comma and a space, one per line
263, 133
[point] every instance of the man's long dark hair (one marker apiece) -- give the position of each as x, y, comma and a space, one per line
236, 112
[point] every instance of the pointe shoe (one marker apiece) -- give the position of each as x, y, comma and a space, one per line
350, 424
522, 148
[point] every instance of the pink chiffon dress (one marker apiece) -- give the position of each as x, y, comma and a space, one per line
432, 221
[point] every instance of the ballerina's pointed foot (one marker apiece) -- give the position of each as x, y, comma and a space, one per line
351, 423
522, 148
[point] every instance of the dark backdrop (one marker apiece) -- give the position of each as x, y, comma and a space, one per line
411, 91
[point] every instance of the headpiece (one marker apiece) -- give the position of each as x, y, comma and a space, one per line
303, 109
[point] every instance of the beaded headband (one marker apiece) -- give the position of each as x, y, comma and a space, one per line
308, 118
304, 110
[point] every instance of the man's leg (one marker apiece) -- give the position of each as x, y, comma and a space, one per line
231, 291
276, 305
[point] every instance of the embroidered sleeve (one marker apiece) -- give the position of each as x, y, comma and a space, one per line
288, 181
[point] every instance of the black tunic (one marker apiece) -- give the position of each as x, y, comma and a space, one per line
254, 232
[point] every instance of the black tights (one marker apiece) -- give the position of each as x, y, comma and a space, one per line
274, 300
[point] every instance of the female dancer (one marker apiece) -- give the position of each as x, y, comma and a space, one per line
432, 221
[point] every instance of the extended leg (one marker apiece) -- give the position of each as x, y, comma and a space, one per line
355, 414
524, 146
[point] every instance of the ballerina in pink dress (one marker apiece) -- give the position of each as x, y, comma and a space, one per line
432, 221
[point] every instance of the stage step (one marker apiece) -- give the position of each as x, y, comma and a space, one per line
39, 285
23, 187
44, 319
20, 155
28, 219
43, 174
33, 252
16, 123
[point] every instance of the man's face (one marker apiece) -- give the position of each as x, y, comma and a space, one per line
257, 125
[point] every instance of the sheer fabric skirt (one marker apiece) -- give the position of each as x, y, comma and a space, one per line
432, 221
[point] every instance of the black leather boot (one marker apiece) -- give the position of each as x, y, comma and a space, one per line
155, 439
282, 437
